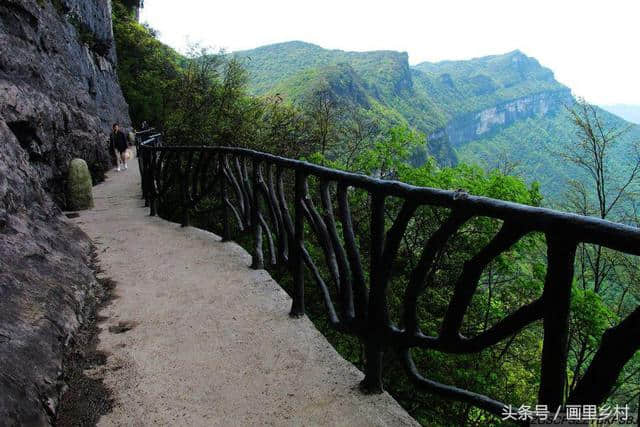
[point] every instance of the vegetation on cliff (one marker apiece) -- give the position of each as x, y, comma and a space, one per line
530, 147
145, 66
504, 111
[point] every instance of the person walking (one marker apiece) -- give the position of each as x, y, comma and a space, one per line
119, 145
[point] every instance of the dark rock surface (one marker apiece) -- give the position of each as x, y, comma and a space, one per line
58, 95
45, 290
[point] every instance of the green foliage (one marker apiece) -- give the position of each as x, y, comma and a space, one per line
472, 85
146, 67
369, 113
509, 371
283, 129
207, 103
591, 316
130, 4
382, 84
376, 84
533, 147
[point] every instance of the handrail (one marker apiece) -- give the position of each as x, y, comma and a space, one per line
146, 137
251, 188
613, 235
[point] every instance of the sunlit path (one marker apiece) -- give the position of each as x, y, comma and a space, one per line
211, 342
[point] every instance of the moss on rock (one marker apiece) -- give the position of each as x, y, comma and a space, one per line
79, 186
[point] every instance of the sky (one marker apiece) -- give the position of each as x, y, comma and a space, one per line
592, 46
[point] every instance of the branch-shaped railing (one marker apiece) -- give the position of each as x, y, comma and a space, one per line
269, 196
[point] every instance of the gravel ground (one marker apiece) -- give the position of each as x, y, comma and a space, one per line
195, 337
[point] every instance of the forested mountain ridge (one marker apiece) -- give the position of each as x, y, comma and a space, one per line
630, 113
453, 86
383, 87
475, 84
428, 96
488, 110
271, 64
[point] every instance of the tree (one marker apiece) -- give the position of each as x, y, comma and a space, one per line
284, 129
593, 154
389, 155
603, 193
145, 67
207, 103
356, 133
505, 163
323, 112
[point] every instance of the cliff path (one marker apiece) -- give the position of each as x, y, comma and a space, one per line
195, 337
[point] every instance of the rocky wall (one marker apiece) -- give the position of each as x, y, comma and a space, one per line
59, 94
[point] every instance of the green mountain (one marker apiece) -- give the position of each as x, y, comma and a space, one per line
533, 147
378, 83
472, 85
488, 110
630, 113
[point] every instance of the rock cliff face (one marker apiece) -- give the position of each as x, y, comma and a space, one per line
58, 94
58, 87
472, 126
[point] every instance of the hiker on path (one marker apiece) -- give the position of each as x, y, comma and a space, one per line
119, 145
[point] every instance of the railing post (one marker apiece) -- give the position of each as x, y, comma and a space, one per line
141, 168
377, 320
184, 190
151, 183
295, 256
143, 156
185, 216
372, 382
258, 258
226, 232
557, 298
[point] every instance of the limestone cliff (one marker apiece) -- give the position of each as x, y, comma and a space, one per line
58, 94
478, 124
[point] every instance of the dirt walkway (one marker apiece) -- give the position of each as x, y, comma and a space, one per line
210, 342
